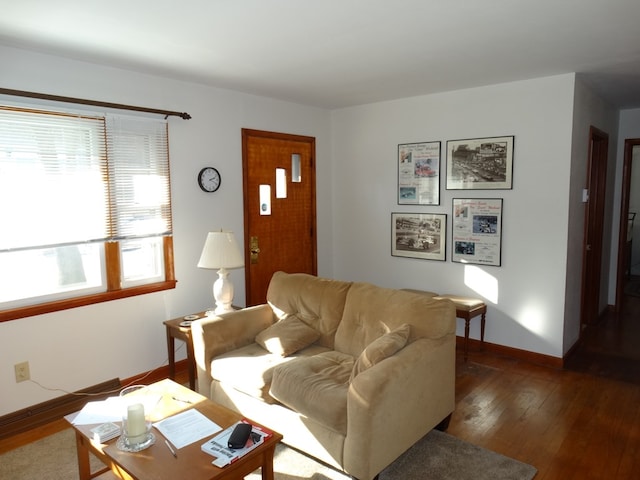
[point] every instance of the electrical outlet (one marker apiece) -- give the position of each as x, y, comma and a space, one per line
22, 371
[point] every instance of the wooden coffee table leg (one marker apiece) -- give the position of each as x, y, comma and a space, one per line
267, 463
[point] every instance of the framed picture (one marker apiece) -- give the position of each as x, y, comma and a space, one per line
480, 164
476, 236
419, 173
419, 235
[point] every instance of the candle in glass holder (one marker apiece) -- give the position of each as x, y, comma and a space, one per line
136, 424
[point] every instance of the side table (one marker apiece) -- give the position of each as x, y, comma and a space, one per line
175, 330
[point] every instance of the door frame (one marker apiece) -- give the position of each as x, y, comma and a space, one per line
629, 143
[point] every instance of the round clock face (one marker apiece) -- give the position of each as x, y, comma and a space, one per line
209, 179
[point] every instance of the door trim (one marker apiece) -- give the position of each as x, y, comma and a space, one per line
594, 221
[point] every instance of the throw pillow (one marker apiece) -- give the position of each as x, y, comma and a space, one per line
287, 336
381, 348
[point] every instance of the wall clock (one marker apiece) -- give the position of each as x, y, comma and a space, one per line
209, 179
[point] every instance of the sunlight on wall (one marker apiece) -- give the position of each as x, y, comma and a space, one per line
532, 317
481, 282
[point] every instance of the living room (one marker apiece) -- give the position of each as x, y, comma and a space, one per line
533, 297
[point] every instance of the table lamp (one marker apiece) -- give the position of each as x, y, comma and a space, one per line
221, 252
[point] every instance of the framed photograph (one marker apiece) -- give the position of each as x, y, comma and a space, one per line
476, 235
419, 173
480, 164
419, 235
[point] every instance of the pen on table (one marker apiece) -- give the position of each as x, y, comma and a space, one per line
181, 400
173, 452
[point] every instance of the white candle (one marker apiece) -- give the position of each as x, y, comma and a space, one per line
136, 425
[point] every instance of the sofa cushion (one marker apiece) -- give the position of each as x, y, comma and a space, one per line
316, 387
318, 302
384, 347
287, 336
249, 369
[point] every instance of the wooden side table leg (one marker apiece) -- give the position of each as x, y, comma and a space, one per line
82, 450
482, 322
172, 354
466, 337
192, 365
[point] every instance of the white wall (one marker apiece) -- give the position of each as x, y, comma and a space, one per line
589, 110
81, 347
526, 307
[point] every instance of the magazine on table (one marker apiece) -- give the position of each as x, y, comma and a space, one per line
218, 445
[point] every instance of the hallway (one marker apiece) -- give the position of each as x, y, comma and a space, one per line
611, 348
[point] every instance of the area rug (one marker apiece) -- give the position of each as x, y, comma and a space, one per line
436, 456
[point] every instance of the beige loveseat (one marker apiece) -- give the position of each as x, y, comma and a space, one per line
349, 373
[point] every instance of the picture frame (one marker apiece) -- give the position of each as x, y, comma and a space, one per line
476, 233
419, 235
419, 173
480, 164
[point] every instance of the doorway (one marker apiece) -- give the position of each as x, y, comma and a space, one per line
594, 226
609, 348
279, 185
628, 275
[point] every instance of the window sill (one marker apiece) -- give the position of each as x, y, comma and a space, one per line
66, 304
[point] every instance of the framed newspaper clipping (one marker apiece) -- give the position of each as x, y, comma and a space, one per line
419, 173
480, 164
476, 235
419, 235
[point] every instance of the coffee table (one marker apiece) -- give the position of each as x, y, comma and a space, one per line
157, 462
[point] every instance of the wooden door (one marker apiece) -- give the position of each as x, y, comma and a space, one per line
280, 227
594, 225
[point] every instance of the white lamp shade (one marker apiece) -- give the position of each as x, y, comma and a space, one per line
221, 251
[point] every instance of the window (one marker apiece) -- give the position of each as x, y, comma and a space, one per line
85, 209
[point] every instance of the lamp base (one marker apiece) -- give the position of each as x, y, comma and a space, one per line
223, 292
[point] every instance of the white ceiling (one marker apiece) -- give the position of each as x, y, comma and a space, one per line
337, 53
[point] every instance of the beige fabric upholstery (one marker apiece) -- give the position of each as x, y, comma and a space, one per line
381, 348
371, 311
318, 302
287, 336
310, 396
249, 369
316, 387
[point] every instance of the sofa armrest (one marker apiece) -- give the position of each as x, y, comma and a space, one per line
393, 404
213, 336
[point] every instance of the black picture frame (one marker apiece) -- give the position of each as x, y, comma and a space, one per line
419, 235
480, 163
419, 173
476, 233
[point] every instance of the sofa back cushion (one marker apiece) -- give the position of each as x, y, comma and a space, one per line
371, 311
318, 302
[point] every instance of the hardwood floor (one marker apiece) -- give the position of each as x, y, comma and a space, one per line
568, 424
610, 348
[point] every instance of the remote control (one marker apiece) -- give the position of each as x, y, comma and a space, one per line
240, 435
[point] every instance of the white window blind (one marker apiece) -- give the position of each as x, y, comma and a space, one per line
139, 178
53, 179
52, 170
